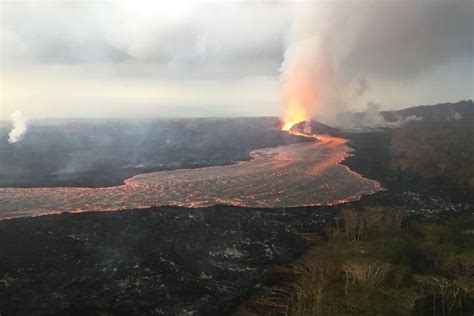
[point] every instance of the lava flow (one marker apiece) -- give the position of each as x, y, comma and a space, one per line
300, 174
288, 125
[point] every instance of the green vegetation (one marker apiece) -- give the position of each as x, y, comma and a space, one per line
376, 262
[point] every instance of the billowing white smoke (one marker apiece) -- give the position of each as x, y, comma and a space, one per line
344, 55
306, 69
19, 127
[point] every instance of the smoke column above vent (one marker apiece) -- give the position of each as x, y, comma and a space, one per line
345, 55
19, 127
307, 66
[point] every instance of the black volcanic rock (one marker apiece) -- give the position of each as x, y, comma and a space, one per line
90, 153
158, 261
316, 128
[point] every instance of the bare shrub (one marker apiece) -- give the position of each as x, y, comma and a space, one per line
365, 274
317, 272
442, 296
311, 276
433, 233
397, 276
458, 266
371, 222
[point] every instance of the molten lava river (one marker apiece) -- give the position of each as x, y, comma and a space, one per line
300, 174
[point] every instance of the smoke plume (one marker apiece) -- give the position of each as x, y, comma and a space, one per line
19, 127
341, 55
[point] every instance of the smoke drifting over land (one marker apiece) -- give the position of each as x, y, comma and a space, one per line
343, 53
19, 127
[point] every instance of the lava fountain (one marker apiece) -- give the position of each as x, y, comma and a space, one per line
298, 96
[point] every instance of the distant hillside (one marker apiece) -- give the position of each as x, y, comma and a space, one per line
372, 118
433, 113
436, 149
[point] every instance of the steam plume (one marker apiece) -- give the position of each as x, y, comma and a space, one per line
19, 127
341, 54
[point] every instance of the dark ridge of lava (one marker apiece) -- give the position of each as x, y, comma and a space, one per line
317, 128
314, 126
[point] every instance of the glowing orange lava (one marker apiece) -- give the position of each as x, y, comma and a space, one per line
300, 174
293, 116
299, 96
288, 125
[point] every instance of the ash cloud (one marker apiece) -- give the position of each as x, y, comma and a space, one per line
19, 127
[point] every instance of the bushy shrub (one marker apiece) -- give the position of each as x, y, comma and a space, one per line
365, 274
420, 258
458, 265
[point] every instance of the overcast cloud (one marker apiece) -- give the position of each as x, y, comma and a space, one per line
150, 58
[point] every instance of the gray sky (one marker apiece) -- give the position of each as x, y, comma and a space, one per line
140, 59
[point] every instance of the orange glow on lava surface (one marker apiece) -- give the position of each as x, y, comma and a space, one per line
302, 174
294, 114
288, 125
